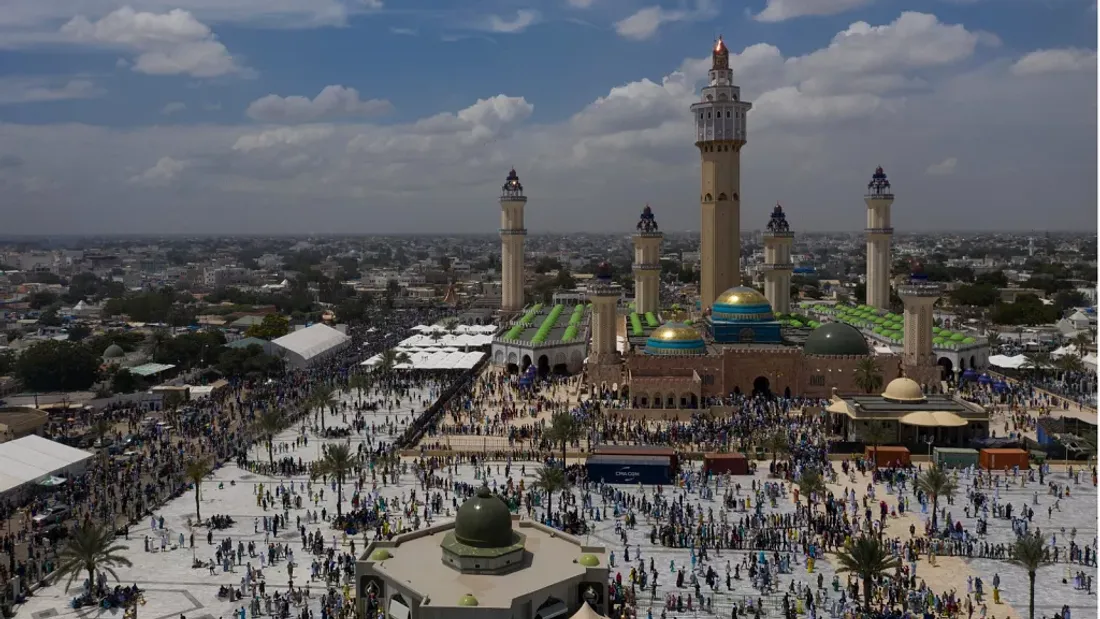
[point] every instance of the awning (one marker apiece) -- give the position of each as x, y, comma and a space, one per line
52, 482
398, 610
933, 419
552, 610
840, 407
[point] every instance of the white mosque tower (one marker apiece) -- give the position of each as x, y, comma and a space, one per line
512, 234
720, 133
879, 231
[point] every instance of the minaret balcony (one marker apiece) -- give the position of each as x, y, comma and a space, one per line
647, 267
920, 289
512, 197
878, 196
776, 266
787, 234
513, 232
649, 235
879, 230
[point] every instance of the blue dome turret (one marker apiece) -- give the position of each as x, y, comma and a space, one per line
742, 303
512, 187
675, 338
647, 222
879, 187
603, 272
778, 220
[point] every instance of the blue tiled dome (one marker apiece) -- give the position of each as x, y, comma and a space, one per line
742, 304
675, 338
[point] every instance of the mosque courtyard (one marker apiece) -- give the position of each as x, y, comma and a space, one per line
173, 588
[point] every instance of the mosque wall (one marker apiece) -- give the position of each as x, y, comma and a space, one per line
822, 374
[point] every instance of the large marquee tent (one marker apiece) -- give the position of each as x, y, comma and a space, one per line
33, 458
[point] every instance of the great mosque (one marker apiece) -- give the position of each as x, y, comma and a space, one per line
732, 341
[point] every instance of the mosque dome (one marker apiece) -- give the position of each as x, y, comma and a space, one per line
603, 271
836, 338
380, 554
114, 351
903, 390
484, 521
468, 600
743, 304
675, 338
589, 560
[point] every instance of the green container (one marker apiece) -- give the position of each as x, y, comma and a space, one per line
955, 457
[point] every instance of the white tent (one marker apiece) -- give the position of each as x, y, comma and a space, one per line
313, 343
1063, 351
1011, 363
32, 458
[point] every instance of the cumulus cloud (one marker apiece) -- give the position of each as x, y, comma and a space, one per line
36, 89
172, 43
332, 102
164, 172
524, 19
644, 23
282, 136
782, 10
1056, 61
943, 168
173, 108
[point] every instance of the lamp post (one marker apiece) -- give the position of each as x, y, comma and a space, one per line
930, 440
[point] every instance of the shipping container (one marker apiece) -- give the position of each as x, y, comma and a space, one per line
1001, 459
639, 450
614, 469
732, 463
955, 457
887, 456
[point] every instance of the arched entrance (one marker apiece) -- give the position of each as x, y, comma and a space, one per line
544, 365
552, 608
787, 393
973, 364
560, 369
947, 369
526, 363
762, 387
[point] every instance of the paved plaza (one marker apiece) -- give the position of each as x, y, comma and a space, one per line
173, 588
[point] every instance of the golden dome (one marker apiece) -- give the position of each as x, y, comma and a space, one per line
903, 390
674, 332
741, 295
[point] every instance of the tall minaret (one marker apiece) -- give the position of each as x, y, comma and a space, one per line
512, 234
720, 134
919, 296
604, 361
879, 197
647, 264
778, 239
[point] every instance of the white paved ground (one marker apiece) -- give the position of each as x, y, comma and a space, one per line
173, 588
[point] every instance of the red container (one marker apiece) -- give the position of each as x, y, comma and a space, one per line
887, 456
732, 463
1000, 459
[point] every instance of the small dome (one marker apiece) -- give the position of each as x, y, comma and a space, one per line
589, 560
742, 304
468, 600
675, 338
484, 521
903, 390
380, 554
836, 338
114, 351
741, 295
603, 271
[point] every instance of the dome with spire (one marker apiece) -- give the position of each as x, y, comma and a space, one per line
721, 56
675, 338
742, 303
647, 223
512, 187
603, 271
778, 220
879, 185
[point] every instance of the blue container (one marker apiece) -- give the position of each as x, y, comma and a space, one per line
648, 470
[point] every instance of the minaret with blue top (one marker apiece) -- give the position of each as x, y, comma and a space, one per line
880, 231
919, 296
647, 264
778, 239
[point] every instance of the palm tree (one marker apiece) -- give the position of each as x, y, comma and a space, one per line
1081, 342
876, 434
324, 398
810, 483
1029, 553
868, 558
338, 462
196, 471
90, 548
551, 479
994, 339
936, 483
564, 429
359, 383
777, 443
868, 377
157, 343
1070, 362
270, 423
389, 359
1037, 360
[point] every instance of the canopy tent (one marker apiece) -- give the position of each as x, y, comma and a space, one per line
586, 612
33, 458
314, 342
438, 360
1070, 349
460, 340
1011, 363
933, 419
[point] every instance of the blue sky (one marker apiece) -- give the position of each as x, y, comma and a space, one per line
174, 89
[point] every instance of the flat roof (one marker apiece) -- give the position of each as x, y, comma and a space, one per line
417, 563
877, 405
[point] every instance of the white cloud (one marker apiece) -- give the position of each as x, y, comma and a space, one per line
816, 131
524, 19
408, 32
164, 172
38, 89
943, 168
333, 101
1056, 61
172, 43
645, 23
173, 108
580, 4
782, 10
282, 136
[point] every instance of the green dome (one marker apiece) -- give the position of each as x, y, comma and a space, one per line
380, 554
969, 340
836, 338
114, 351
958, 337
484, 521
588, 560
468, 600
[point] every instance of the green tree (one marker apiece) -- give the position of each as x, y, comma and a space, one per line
868, 558
811, 483
125, 381
978, 295
78, 332
57, 366
564, 429
337, 462
272, 326
875, 434
196, 472
390, 359
868, 377
360, 383
551, 480
270, 423
936, 483
90, 548
324, 398
777, 443
1029, 553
